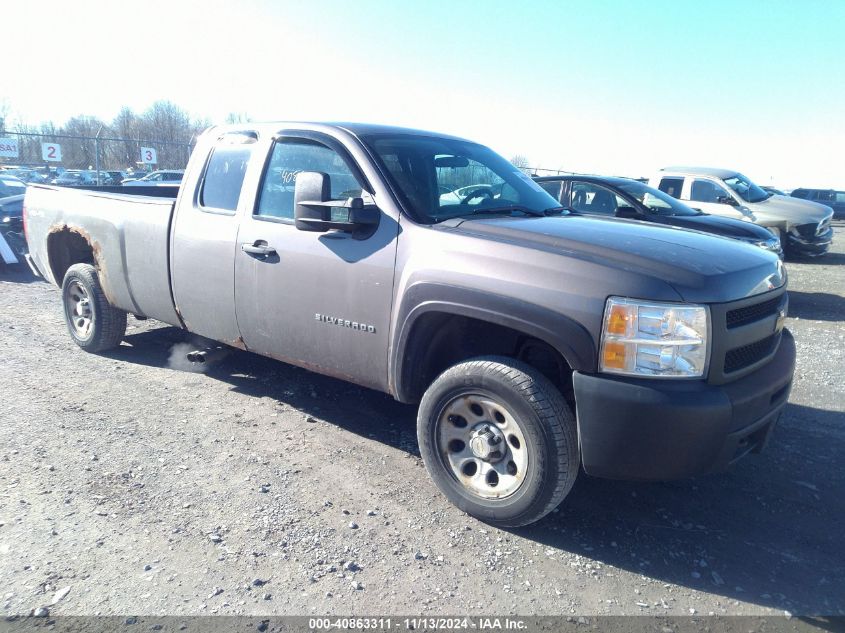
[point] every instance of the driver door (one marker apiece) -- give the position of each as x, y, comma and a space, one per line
318, 300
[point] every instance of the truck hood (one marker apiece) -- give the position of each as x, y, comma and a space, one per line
793, 210
701, 268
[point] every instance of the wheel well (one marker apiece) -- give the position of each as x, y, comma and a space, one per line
65, 248
439, 340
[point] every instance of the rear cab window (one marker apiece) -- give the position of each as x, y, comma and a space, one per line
224, 173
672, 186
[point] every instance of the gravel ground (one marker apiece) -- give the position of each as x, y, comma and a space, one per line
129, 486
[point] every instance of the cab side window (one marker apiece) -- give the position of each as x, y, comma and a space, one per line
289, 157
672, 186
224, 173
706, 191
590, 198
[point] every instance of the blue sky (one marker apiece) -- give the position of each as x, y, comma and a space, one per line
605, 87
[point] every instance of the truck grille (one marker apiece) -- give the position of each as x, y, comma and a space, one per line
746, 333
752, 313
809, 231
742, 357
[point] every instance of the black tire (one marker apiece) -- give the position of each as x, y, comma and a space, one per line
107, 324
544, 418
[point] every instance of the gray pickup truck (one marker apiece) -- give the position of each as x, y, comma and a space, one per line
428, 267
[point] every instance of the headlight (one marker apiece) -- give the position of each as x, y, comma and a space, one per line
5, 219
772, 244
654, 339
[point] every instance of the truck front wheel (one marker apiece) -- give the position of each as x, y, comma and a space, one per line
94, 324
499, 440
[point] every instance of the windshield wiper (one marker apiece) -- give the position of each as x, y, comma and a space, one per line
509, 209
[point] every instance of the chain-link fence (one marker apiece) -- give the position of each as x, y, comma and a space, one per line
56, 153
542, 171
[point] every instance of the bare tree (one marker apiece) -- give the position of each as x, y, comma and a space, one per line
4, 115
520, 162
238, 117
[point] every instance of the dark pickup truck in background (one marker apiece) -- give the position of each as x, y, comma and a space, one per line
428, 267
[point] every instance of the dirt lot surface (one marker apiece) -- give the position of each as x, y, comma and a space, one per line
128, 486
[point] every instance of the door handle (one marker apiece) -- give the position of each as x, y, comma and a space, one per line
260, 248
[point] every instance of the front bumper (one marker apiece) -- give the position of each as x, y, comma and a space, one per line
652, 429
809, 247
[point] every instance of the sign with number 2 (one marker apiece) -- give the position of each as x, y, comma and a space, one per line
51, 152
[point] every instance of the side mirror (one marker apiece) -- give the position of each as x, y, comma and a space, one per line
727, 200
629, 213
314, 210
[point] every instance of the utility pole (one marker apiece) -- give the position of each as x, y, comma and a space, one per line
97, 154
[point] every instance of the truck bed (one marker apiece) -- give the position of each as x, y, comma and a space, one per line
127, 233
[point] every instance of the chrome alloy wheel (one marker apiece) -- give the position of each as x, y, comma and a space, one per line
483, 445
78, 308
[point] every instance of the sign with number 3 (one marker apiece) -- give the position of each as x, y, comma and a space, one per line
148, 156
51, 152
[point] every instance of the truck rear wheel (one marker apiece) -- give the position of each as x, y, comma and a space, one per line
499, 440
94, 324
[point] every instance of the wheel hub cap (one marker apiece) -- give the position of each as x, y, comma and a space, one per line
482, 445
486, 443
83, 308
78, 309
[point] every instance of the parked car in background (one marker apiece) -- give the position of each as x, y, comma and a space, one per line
12, 240
77, 177
802, 226
631, 199
11, 186
103, 178
829, 197
129, 176
25, 175
160, 177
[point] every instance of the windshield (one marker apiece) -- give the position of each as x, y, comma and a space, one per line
443, 178
656, 201
746, 189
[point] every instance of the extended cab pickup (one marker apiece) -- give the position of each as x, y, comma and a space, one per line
430, 268
803, 227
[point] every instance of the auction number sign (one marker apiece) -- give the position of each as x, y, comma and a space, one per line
9, 148
51, 152
148, 156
